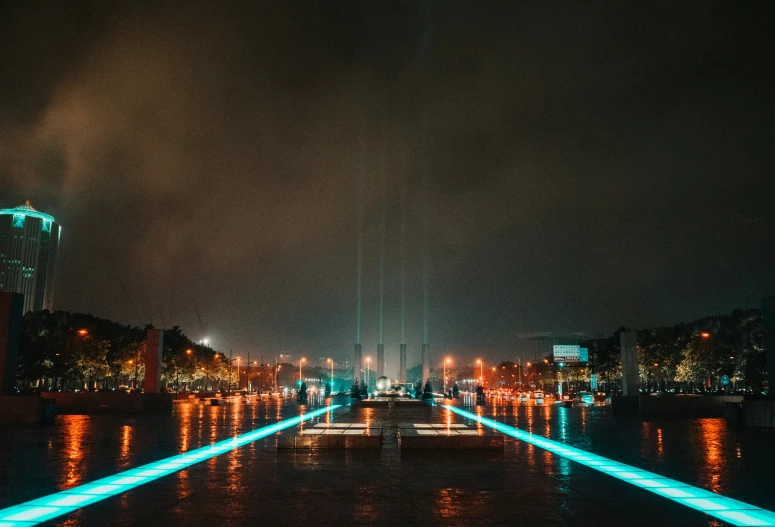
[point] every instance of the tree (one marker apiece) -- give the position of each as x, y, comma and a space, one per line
89, 359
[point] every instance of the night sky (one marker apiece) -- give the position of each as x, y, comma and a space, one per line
578, 169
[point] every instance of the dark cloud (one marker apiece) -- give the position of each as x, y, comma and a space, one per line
586, 167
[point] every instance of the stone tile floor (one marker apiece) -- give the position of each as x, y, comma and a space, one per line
259, 485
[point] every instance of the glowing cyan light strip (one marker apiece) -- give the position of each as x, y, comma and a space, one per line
43, 509
726, 509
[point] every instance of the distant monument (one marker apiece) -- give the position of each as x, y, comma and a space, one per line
301, 397
480, 396
355, 391
427, 391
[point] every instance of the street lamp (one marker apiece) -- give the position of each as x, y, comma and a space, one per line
301, 377
368, 369
445, 373
481, 369
277, 367
134, 382
331, 361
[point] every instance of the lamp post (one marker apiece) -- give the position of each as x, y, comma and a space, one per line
331, 361
527, 372
481, 369
250, 385
301, 377
368, 370
447, 361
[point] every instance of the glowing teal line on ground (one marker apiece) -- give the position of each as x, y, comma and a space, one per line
61, 503
716, 505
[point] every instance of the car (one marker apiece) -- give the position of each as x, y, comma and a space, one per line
584, 398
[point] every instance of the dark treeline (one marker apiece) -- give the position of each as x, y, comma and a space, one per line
75, 351
689, 357
62, 350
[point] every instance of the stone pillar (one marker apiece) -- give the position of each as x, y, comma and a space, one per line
629, 351
11, 312
768, 320
402, 363
357, 363
426, 368
154, 345
380, 360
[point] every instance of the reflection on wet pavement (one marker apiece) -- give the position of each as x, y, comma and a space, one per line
256, 483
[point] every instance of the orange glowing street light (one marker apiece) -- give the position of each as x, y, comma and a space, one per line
705, 334
481, 367
189, 351
83, 332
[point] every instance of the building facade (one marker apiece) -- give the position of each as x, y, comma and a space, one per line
29, 241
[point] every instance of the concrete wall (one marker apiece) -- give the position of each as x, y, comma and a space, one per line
10, 333
109, 402
21, 409
759, 413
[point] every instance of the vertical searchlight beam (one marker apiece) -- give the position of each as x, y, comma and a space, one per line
381, 344
402, 347
358, 350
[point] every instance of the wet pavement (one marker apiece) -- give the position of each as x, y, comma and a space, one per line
258, 483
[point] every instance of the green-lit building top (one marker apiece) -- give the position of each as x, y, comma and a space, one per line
29, 240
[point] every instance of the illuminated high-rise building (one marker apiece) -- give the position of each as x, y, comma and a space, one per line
29, 240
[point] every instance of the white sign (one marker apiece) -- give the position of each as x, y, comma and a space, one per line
570, 353
566, 353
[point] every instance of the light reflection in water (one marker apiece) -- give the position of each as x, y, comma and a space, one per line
563, 423
710, 434
447, 500
126, 442
660, 446
547, 421
74, 431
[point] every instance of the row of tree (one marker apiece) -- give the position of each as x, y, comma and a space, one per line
723, 352
61, 350
691, 356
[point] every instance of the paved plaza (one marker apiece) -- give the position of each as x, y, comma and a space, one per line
258, 484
